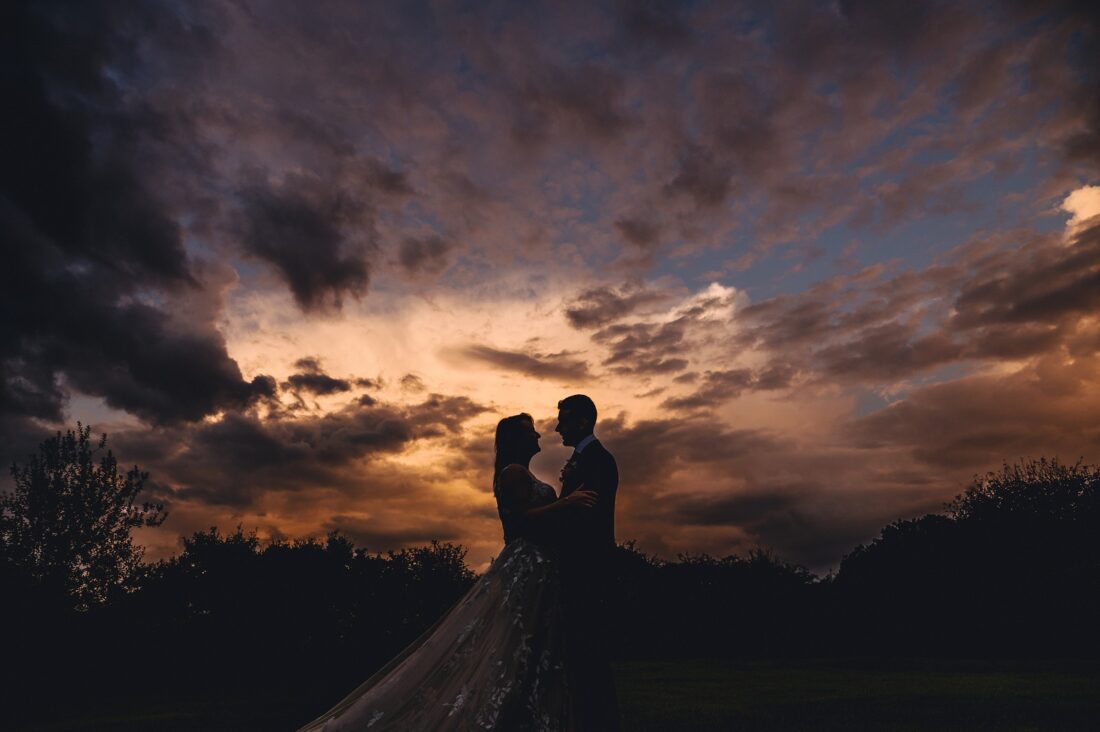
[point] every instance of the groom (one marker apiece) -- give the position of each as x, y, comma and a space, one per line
586, 546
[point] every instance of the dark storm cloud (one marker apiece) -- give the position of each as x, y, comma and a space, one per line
71, 172
739, 119
387, 180
231, 461
639, 232
425, 254
701, 177
91, 256
241, 457
311, 378
583, 100
652, 22
81, 327
599, 306
553, 366
304, 227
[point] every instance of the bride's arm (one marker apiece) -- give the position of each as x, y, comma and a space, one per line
578, 498
515, 483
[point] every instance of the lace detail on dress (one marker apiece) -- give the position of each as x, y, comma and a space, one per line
510, 509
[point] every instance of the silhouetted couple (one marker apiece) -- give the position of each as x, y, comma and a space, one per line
525, 649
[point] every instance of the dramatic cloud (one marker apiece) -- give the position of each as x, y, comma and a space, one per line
96, 271
299, 226
427, 254
719, 386
1028, 298
560, 366
313, 380
230, 460
1047, 408
816, 263
597, 307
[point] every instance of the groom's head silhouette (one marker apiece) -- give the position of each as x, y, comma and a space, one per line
576, 419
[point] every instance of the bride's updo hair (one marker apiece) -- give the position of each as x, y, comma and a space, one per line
509, 441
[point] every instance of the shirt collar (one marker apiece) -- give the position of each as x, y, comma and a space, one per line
584, 443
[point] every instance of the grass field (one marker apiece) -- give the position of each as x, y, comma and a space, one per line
830, 696
702, 695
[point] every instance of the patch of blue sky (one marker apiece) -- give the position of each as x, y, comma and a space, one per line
196, 247
988, 204
764, 279
957, 212
941, 374
415, 216
470, 76
95, 412
919, 240
868, 400
590, 192
250, 271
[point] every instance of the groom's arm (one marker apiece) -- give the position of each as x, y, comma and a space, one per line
606, 482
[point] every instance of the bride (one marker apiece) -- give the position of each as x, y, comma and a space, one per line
495, 660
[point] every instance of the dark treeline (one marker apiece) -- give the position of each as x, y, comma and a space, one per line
1011, 569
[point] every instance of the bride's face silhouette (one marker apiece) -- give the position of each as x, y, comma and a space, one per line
531, 437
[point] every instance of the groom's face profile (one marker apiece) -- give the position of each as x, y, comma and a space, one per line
571, 427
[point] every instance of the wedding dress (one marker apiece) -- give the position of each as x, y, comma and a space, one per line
493, 662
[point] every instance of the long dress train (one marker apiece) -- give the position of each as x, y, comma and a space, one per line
493, 662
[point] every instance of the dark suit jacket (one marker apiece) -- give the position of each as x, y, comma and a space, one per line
591, 532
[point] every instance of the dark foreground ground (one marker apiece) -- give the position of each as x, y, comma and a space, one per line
706, 695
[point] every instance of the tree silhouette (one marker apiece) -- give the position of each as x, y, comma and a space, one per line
1033, 490
67, 524
1012, 568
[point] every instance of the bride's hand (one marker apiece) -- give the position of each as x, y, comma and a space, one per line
582, 498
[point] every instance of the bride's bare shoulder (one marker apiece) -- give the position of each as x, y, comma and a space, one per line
516, 474
515, 480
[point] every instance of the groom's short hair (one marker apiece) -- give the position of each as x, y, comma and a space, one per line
580, 406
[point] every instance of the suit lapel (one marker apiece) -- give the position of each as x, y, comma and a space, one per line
574, 477
572, 474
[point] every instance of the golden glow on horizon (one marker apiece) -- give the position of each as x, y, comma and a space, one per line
434, 481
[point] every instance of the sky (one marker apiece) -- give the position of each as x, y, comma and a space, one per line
818, 264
